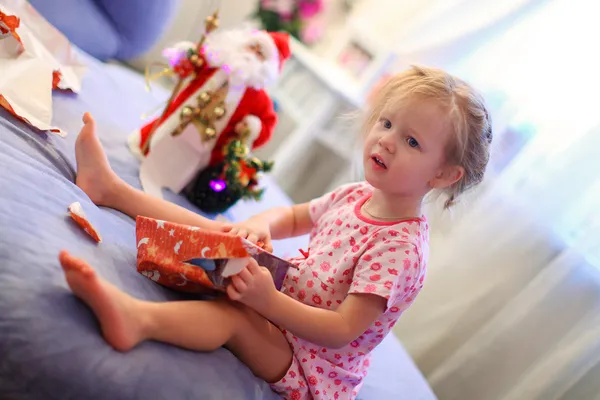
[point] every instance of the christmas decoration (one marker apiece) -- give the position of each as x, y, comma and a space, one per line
219, 187
185, 67
217, 113
297, 17
210, 108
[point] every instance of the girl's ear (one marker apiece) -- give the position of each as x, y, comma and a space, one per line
447, 177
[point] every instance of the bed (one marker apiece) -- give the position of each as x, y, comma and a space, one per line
50, 346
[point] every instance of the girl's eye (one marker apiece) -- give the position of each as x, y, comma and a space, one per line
412, 142
386, 123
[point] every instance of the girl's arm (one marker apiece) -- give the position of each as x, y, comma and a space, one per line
254, 287
332, 329
286, 222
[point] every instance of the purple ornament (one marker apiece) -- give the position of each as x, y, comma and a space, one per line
218, 185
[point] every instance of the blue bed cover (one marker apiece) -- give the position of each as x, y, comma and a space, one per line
50, 346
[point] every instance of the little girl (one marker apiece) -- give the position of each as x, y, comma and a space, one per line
366, 260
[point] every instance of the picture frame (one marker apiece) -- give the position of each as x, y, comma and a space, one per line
355, 59
362, 55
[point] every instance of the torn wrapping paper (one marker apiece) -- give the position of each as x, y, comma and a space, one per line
194, 260
35, 58
76, 212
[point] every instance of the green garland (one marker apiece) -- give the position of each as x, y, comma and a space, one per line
236, 158
272, 22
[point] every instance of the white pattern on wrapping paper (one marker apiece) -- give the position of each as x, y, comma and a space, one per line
152, 275
177, 246
251, 248
185, 280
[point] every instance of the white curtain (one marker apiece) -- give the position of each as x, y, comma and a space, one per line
511, 305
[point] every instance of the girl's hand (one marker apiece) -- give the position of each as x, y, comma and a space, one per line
253, 287
255, 230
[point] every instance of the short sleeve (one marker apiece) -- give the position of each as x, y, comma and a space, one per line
390, 269
318, 206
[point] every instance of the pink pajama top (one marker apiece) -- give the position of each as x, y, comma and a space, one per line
350, 253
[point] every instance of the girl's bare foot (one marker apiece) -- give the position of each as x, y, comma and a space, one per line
94, 174
121, 317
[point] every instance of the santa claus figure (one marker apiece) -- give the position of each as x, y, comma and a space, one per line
224, 100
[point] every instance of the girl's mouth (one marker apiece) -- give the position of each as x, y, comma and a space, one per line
377, 160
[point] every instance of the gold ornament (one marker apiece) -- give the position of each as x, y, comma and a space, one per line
210, 107
210, 133
196, 61
212, 22
186, 112
219, 112
204, 97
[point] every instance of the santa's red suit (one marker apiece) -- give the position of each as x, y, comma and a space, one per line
253, 106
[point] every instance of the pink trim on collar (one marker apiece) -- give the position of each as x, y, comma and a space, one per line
364, 218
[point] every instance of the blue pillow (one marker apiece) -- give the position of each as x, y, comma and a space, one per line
140, 23
110, 28
84, 24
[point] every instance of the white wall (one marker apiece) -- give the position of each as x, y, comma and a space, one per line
188, 23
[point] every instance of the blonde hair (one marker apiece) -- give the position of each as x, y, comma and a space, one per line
470, 120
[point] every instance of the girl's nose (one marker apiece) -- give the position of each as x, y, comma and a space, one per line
388, 143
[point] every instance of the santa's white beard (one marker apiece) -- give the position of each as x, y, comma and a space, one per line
228, 50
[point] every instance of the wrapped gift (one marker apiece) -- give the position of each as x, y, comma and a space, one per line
191, 259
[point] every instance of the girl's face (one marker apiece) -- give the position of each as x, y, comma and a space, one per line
404, 151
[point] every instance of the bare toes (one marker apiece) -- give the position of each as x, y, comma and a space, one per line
87, 118
71, 263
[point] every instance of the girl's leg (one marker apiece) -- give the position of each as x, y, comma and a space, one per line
104, 187
194, 325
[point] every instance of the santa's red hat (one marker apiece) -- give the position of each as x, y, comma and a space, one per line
282, 43
275, 45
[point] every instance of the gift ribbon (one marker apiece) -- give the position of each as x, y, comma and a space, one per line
306, 253
166, 70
